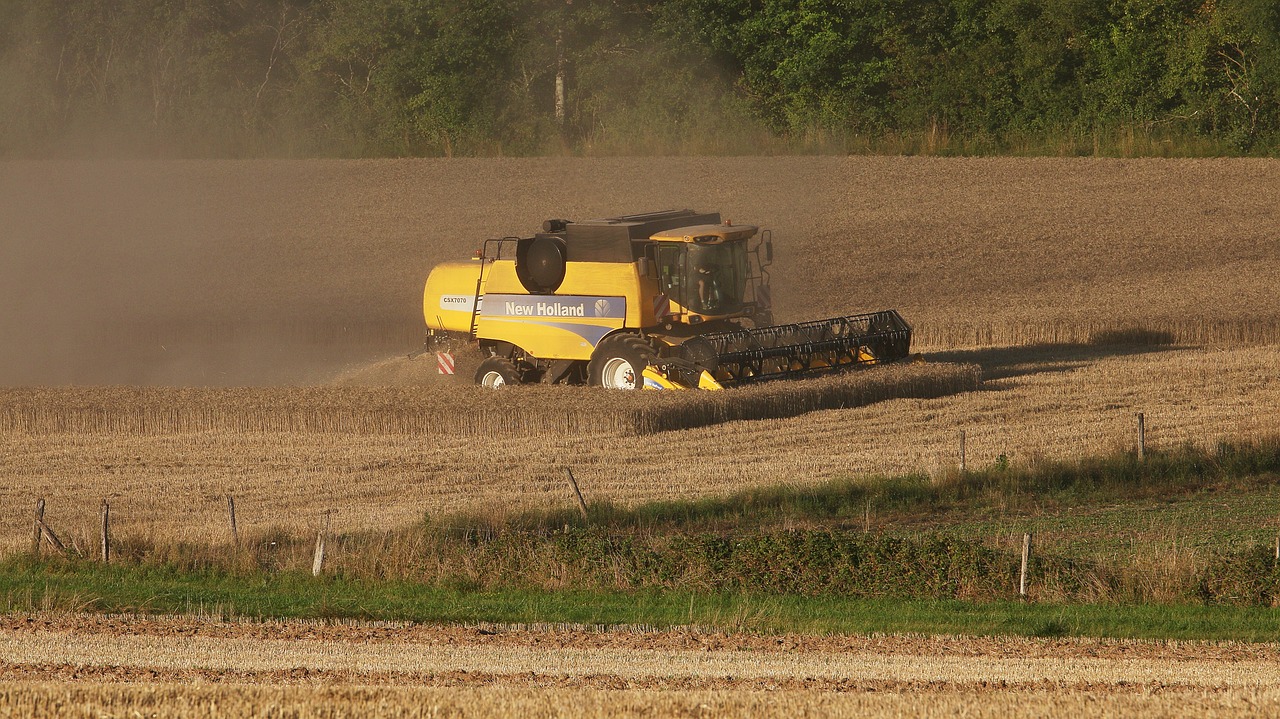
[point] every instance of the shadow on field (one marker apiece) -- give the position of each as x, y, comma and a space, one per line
1006, 362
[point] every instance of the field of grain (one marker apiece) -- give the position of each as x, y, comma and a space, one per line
1037, 402
177, 332
266, 272
456, 409
196, 274
96, 666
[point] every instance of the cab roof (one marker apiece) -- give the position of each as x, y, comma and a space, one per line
712, 234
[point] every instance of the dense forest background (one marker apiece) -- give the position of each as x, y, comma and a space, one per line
365, 78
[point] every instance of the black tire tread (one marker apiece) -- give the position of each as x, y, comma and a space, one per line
510, 373
633, 347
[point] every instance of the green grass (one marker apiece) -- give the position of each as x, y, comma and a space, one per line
1177, 546
27, 586
1220, 518
1097, 507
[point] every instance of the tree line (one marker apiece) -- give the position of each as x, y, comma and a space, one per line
368, 78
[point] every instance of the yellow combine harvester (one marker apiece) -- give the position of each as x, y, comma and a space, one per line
664, 300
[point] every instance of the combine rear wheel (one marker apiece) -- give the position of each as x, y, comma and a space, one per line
619, 362
497, 372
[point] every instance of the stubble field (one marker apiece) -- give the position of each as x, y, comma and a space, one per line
309, 273
261, 272
96, 666
1086, 290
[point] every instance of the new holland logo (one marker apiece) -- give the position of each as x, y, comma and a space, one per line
602, 308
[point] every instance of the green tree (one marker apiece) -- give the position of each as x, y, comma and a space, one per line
412, 77
1232, 63
1135, 82
803, 64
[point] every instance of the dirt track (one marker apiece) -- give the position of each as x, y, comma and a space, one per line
119, 657
572, 637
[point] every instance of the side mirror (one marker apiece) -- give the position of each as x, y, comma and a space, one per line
768, 251
643, 266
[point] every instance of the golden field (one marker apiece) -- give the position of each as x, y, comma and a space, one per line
116, 666
200, 273
283, 272
1038, 402
176, 332
455, 409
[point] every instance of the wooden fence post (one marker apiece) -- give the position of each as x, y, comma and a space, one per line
1026, 557
231, 509
106, 531
39, 523
582, 503
52, 538
962, 438
318, 564
1142, 437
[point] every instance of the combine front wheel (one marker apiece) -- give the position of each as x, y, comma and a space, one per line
497, 372
619, 362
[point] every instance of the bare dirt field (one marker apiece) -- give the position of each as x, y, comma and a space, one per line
199, 667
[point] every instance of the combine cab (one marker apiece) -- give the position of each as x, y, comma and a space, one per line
665, 300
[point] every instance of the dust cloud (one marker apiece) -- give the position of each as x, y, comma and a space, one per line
261, 272
176, 274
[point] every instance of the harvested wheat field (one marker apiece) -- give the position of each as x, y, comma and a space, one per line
177, 332
1085, 290
1053, 402
269, 272
97, 666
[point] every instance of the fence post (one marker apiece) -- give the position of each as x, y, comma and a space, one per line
231, 509
1026, 557
52, 538
106, 531
1142, 437
582, 503
318, 564
39, 524
962, 438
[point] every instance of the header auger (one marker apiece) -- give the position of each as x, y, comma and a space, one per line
664, 300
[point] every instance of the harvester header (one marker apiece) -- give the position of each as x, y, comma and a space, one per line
663, 300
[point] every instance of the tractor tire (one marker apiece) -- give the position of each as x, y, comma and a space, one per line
497, 372
618, 362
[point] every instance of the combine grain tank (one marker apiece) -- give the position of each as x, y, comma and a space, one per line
664, 300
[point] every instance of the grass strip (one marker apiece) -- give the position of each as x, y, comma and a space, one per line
28, 586
943, 538
1003, 488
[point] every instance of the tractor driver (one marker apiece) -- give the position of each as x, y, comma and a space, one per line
708, 288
